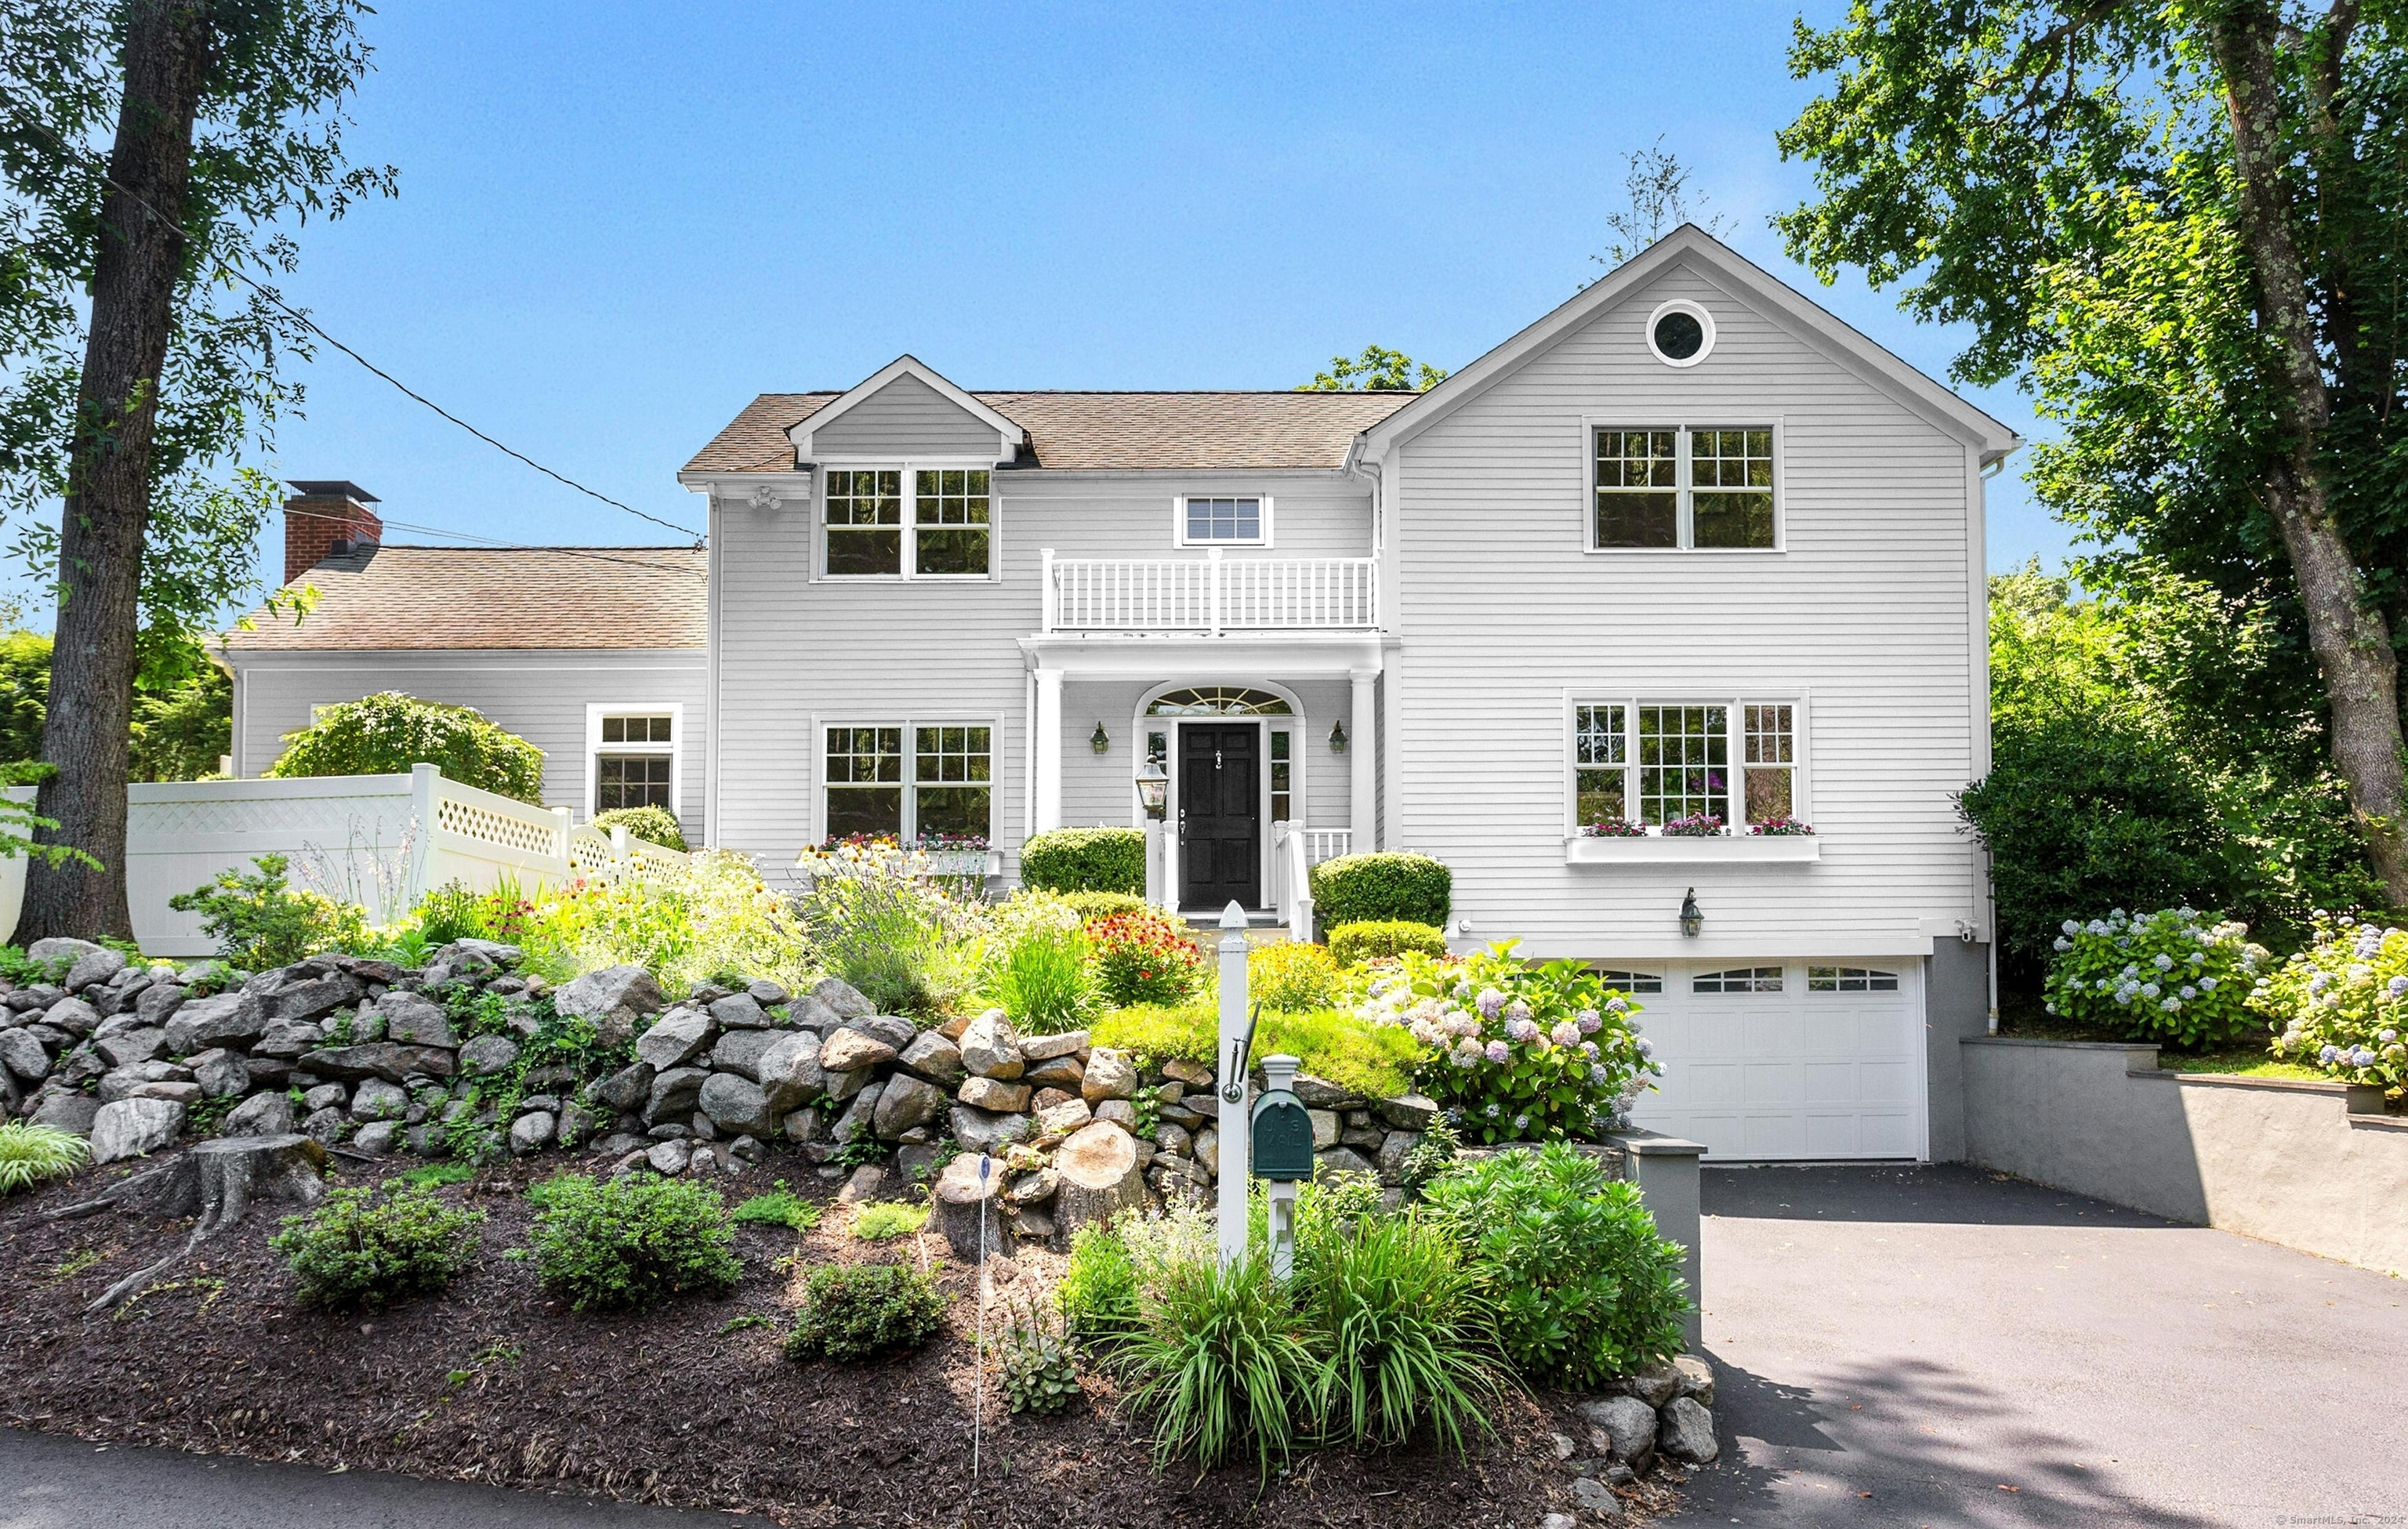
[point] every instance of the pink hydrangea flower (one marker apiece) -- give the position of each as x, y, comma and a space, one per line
1497, 1052
1490, 1001
1565, 1032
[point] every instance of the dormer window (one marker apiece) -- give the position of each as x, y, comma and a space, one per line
943, 528
1223, 520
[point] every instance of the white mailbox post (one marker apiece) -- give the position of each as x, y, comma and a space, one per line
1236, 1129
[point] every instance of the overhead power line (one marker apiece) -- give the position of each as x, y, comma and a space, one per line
302, 318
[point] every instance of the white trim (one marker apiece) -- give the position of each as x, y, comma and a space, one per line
714, 701
909, 527
1798, 698
1008, 434
1695, 310
1178, 536
1296, 722
674, 748
822, 721
1747, 282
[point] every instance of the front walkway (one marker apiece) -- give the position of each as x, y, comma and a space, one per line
1946, 1347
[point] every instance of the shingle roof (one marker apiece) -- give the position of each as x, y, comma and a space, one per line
1103, 432
408, 598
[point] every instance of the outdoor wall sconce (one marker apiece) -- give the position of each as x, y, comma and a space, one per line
1692, 917
1154, 790
1337, 737
1102, 741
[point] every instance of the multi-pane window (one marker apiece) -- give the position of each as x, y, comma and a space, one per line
1771, 758
1850, 980
945, 534
918, 782
634, 761
865, 780
1638, 489
1632, 983
1600, 752
1231, 520
950, 522
1281, 767
1639, 764
1693, 486
1737, 980
1684, 763
865, 521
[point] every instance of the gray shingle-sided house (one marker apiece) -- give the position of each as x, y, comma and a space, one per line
595, 655
1686, 547
1685, 551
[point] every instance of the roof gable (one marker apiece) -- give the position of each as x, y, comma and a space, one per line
1691, 245
907, 375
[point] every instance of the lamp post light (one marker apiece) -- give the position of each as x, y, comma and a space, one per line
1337, 737
1692, 917
1100, 741
1154, 790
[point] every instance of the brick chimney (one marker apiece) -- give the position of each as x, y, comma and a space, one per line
325, 518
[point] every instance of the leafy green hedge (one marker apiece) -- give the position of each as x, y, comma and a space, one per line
1091, 906
655, 824
1085, 860
1351, 944
1376, 1061
1359, 889
387, 733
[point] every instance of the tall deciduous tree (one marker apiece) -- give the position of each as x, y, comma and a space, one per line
1376, 370
2185, 226
133, 360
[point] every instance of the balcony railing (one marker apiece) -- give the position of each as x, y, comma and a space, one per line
1210, 595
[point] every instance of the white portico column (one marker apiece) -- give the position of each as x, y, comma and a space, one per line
1363, 762
1045, 749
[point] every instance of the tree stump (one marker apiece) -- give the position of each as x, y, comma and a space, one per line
1099, 1178
964, 1201
217, 1183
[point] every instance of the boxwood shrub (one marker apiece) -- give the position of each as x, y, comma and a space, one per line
630, 1241
1358, 889
654, 825
387, 733
1374, 939
856, 1311
364, 1248
1085, 860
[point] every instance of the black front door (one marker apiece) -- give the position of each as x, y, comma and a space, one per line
1219, 843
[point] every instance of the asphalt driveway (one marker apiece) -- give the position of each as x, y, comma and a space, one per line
1946, 1347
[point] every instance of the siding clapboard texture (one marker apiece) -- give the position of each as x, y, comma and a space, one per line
1864, 618
539, 694
905, 418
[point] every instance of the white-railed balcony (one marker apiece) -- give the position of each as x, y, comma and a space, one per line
1210, 595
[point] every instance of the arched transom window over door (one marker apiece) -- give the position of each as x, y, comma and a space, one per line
1219, 701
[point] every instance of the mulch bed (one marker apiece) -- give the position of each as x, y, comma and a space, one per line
497, 1381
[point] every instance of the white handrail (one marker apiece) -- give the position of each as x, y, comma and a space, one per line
1296, 878
1210, 595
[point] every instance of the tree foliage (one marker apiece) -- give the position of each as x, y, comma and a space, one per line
1376, 370
1657, 198
2150, 750
387, 733
2184, 228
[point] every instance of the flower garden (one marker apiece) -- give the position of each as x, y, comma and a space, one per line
589, 1162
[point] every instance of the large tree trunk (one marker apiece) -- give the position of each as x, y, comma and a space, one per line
137, 268
2346, 630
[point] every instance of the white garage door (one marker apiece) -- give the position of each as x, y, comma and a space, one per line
1766, 1061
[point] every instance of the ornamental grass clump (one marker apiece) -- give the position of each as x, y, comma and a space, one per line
1222, 1365
1142, 957
366, 1247
1517, 1052
631, 1241
2171, 976
2342, 1004
31, 1154
1585, 1288
1037, 971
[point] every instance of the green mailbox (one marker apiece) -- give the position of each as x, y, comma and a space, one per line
1282, 1137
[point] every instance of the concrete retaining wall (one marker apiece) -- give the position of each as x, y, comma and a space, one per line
2314, 1167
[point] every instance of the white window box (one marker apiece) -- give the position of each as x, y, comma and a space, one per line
1739, 849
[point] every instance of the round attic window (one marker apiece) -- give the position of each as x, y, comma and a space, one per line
1681, 333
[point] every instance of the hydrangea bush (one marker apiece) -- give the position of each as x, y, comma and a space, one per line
2169, 975
1517, 1052
2342, 1004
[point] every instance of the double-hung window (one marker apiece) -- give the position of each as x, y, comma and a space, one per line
1223, 520
1639, 765
914, 782
942, 528
634, 759
1692, 486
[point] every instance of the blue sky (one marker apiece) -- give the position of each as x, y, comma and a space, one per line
617, 222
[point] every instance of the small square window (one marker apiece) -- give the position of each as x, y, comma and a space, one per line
864, 521
624, 780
